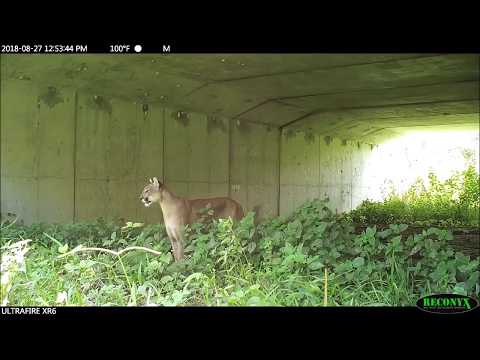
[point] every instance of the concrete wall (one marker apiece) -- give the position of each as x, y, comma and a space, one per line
315, 166
69, 156
37, 173
197, 155
348, 172
254, 167
108, 161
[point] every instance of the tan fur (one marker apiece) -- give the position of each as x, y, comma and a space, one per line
178, 211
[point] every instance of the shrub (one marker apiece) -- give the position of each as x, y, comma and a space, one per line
453, 202
283, 261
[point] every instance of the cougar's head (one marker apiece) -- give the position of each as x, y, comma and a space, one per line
152, 192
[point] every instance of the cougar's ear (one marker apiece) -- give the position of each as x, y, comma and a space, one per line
150, 180
156, 183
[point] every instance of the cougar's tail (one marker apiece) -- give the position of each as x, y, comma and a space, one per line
256, 219
240, 213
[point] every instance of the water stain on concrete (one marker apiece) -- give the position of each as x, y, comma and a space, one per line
24, 77
309, 136
289, 134
69, 74
145, 111
243, 126
100, 103
51, 97
181, 117
215, 122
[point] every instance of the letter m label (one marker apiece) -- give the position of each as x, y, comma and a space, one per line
166, 48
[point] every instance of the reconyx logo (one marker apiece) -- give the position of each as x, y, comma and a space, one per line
447, 303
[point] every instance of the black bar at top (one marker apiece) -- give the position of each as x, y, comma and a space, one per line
322, 45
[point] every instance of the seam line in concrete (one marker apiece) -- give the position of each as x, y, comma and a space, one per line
351, 176
437, 124
36, 160
372, 107
197, 88
279, 99
230, 156
256, 122
299, 118
399, 104
320, 175
279, 169
366, 121
138, 140
324, 68
251, 108
163, 145
75, 115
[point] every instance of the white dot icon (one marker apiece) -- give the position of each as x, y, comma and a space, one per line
138, 48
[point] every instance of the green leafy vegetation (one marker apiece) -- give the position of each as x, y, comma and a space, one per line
453, 202
283, 261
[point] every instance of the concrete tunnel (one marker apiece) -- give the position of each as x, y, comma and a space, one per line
81, 134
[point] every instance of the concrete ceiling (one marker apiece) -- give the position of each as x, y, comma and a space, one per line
353, 96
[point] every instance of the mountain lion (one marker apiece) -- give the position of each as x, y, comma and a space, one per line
178, 211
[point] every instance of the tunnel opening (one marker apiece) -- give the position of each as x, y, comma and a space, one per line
423, 178
411, 157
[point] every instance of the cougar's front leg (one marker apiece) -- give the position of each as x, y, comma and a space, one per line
178, 235
178, 246
171, 237
176, 239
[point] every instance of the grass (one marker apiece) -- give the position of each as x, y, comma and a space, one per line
453, 202
311, 258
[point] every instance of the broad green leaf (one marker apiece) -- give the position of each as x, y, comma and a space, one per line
316, 265
358, 261
460, 289
165, 279
63, 249
254, 300
370, 231
384, 234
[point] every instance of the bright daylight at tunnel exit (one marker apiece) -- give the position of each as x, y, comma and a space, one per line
159, 178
